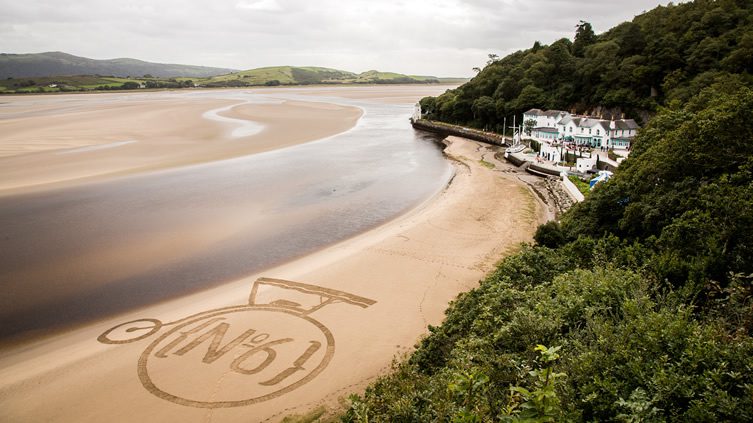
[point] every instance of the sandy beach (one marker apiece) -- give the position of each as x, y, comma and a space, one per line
258, 347
289, 339
53, 141
113, 135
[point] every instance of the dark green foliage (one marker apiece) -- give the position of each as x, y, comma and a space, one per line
628, 352
646, 287
686, 189
669, 53
130, 85
584, 37
550, 235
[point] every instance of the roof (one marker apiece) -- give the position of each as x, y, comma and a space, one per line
565, 120
545, 129
626, 124
548, 113
553, 113
588, 122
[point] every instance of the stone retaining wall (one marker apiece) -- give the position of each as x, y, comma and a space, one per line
448, 129
571, 189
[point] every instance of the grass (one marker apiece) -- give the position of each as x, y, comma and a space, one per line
258, 76
486, 164
583, 187
309, 417
284, 75
320, 414
64, 83
290, 75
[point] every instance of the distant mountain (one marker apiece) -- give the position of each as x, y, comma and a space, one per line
55, 72
58, 63
292, 75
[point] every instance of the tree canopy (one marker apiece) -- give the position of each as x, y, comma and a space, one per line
638, 304
664, 55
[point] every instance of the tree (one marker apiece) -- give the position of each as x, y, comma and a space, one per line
584, 37
485, 110
528, 126
530, 97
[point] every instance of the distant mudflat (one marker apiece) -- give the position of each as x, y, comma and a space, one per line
163, 129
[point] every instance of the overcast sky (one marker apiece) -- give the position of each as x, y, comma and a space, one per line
426, 37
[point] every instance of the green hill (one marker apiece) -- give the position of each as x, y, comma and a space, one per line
74, 83
292, 75
268, 76
665, 55
280, 75
58, 63
637, 306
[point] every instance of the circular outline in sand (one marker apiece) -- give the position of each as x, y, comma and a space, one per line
147, 382
105, 339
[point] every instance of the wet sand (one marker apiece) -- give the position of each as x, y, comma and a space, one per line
262, 345
47, 140
319, 328
100, 246
80, 138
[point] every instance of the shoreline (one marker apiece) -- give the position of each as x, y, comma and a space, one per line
411, 267
210, 89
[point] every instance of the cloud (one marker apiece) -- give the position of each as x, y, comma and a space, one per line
433, 37
260, 5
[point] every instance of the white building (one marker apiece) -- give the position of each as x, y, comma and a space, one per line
550, 153
585, 164
545, 127
558, 126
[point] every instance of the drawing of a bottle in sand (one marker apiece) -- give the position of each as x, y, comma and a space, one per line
238, 355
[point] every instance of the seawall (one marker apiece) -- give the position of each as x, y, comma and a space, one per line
447, 129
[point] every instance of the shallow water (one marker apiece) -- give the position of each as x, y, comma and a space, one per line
72, 255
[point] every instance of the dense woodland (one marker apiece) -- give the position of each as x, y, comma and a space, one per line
666, 55
638, 304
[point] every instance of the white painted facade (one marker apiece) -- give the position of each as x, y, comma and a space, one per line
556, 126
585, 164
550, 153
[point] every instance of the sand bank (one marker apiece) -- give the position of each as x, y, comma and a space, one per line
56, 139
393, 94
320, 328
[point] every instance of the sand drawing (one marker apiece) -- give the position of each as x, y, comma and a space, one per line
238, 355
